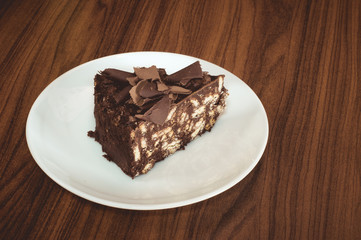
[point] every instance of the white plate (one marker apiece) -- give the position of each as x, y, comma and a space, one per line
61, 116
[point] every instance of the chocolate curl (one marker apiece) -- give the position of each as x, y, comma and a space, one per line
161, 86
133, 80
158, 113
115, 74
135, 95
144, 92
149, 89
179, 90
147, 73
184, 75
119, 78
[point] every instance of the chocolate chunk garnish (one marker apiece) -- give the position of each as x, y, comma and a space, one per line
158, 113
143, 92
161, 86
149, 90
147, 73
133, 80
179, 90
184, 75
134, 93
118, 75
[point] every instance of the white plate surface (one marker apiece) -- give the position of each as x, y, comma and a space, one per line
61, 116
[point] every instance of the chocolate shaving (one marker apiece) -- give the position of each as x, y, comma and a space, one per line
147, 73
184, 75
158, 113
161, 86
144, 92
134, 93
179, 90
149, 89
118, 75
133, 80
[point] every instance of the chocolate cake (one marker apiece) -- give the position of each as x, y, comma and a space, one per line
145, 116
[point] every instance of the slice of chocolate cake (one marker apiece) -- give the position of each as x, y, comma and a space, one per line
145, 116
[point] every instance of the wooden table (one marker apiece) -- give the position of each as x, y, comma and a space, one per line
303, 60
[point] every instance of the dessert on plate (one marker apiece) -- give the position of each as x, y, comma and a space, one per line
145, 116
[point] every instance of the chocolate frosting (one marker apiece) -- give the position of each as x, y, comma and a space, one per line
152, 90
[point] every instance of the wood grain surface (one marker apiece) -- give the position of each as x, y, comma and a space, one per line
303, 60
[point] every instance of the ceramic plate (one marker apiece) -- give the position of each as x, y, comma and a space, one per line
61, 116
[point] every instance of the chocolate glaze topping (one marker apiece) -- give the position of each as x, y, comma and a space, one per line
152, 91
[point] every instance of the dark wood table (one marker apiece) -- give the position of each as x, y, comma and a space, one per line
302, 59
